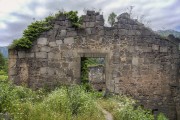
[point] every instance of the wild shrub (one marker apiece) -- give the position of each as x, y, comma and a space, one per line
122, 108
34, 30
161, 117
65, 103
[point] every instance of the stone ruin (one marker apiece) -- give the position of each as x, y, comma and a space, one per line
138, 62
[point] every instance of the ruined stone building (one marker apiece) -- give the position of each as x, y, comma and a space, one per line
138, 62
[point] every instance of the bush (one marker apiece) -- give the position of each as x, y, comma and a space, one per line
34, 30
30, 34
122, 108
161, 117
129, 113
64, 103
10, 95
72, 101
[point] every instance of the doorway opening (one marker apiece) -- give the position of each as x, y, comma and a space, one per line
93, 73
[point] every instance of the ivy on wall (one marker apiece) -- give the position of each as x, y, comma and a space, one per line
34, 30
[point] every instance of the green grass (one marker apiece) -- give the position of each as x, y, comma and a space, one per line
66, 103
122, 108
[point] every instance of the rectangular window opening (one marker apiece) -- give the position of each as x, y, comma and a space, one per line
93, 73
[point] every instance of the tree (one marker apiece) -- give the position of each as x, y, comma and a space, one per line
111, 18
2, 61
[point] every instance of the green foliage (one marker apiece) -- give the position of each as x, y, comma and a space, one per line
31, 34
34, 30
111, 18
3, 66
65, 103
161, 117
74, 18
122, 108
2, 61
21, 43
10, 95
84, 70
128, 112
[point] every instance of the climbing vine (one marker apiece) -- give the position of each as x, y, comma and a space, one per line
34, 30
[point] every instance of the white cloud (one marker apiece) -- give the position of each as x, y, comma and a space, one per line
3, 26
7, 6
17, 14
40, 11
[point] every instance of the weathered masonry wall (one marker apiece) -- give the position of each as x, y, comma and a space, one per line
97, 77
138, 62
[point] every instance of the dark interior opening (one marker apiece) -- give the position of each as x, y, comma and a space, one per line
154, 111
100, 90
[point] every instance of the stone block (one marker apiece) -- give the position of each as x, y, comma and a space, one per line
56, 26
124, 15
51, 55
71, 33
30, 55
99, 18
35, 48
59, 42
116, 59
12, 71
50, 71
41, 55
90, 24
131, 32
146, 49
63, 33
45, 49
43, 70
21, 54
101, 32
88, 31
163, 49
67, 23
69, 40
52, 44
123, 32
155, 47
42, 41
138, 32
90, 12
131, 49
54, 55
135, 61
83, 25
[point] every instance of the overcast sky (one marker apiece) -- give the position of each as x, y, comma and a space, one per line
15, 15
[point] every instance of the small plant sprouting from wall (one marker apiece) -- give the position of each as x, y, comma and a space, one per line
34, 30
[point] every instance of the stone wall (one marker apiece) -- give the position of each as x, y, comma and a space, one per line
138, 62
97, 77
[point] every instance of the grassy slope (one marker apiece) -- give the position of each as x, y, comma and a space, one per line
66, 103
